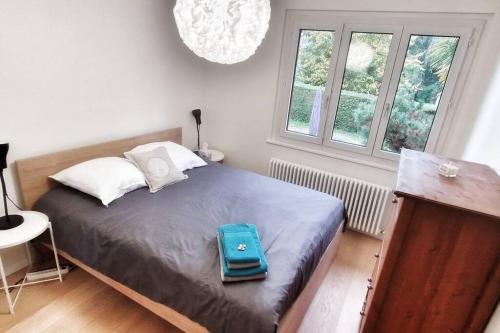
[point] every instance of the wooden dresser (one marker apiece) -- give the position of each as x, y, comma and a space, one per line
438, 269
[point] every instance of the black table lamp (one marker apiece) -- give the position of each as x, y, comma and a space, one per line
197, 115
7, 221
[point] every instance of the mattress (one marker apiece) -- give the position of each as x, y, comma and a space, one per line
164, 245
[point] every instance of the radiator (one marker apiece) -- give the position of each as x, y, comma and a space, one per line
365, 202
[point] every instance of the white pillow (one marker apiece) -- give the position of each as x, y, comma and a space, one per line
182, 157
158, 168
106, 178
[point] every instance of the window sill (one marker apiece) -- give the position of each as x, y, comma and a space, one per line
389, 166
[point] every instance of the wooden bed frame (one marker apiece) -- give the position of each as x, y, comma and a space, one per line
34, 182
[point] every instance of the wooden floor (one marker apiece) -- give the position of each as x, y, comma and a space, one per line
84, 304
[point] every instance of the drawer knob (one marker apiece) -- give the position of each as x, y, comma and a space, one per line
370, 280
362, 313
369, 287
394, 200
376, 255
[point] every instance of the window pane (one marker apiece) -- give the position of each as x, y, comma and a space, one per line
427, 63
361, 83
311, 71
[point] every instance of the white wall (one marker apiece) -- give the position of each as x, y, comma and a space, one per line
494, 323
483, 146
240, 99
74, 73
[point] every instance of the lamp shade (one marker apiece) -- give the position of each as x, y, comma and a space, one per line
197, 115
222, 31
4, 149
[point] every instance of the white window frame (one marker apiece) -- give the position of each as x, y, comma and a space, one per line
444, 102
296, 24
402, 25
396, 32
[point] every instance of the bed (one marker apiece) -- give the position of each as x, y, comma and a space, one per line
161, 250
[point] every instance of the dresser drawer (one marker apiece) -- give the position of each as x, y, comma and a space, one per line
370, 282
380, 256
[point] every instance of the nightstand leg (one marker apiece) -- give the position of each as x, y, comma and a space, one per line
6, 287
55, 252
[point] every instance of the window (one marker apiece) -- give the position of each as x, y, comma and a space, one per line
314, 56
360, 90
369, 84
421, 83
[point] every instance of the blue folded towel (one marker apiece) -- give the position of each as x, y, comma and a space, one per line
228, 274
240, 247
234, 232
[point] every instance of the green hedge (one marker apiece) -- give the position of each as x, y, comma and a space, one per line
409, 126
354, 113
302, 101
354, 109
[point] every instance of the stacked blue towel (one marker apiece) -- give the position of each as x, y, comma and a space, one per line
240, 252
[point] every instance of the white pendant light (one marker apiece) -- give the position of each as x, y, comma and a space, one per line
222, 31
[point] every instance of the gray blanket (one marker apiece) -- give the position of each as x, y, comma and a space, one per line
163, 245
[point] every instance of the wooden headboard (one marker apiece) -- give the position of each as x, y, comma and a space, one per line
33, 172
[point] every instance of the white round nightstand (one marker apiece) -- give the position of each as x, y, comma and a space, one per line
216, 156
34, 225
